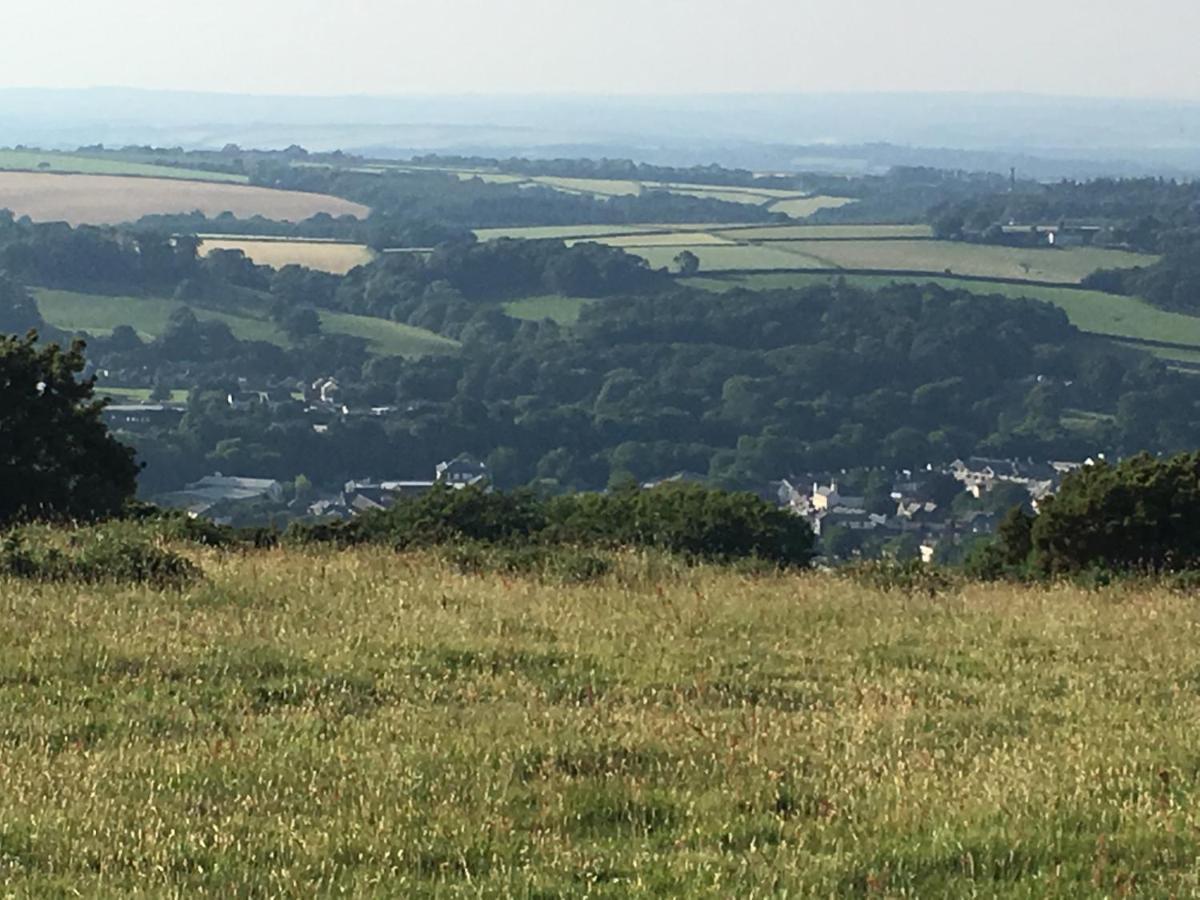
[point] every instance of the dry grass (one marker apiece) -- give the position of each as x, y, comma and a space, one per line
324, 256
804, 207
112, 199
666, 239
361, 724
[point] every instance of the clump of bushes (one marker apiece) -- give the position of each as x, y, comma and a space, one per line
176, 525
909, 577
553, 564
693, 521
113, 553
1139, 517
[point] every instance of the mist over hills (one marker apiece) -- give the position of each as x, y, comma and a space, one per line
1045, 137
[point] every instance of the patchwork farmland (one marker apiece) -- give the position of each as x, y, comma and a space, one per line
113, 199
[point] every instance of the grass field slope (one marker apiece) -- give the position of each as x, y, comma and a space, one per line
1107, 314
66, 163
370, 724
324, 256
99, 314
113, 199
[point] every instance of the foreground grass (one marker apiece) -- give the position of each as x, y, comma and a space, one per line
372, 725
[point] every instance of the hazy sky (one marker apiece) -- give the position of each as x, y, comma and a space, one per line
1084, 47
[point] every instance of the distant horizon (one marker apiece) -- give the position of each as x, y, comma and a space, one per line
1166, 99
386, 48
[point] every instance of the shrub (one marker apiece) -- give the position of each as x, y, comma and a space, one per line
1142, 515
694, 521
92, 556
561, 564
909, 577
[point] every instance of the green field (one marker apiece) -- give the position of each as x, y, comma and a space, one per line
564, 232
824, 232
46, 161
99, 314
1093, 311
735, 256
563, 310
370, 724
1066, 266
983, 261
663, 239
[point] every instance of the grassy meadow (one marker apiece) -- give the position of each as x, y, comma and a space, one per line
366, 724
113, 199
99, 314
67, 163
563, 310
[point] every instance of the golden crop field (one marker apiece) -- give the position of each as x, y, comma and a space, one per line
824, 232
113, 199
666, 239
324, 256
368, 724
803, 207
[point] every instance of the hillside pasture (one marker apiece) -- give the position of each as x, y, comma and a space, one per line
563, 310
366, 723
567, 232
66, 163
1092, 311
957, 258
111, 199
600, 187
719, 257
99, 314
323, 256
824, 232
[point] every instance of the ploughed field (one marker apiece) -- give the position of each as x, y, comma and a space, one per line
113, 199
367, 724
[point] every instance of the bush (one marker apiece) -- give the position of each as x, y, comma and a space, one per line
176, 525
1142, 515
560, 564
98, 555
910, 577
690, 520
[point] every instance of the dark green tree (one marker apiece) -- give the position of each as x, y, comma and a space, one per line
688, 263
57, 458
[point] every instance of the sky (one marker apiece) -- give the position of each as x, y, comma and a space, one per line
1110, 48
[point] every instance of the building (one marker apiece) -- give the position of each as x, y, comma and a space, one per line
141, 416
828, 498
212, 490
462, 471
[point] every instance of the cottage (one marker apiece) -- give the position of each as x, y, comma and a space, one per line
463, 471
828, 498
